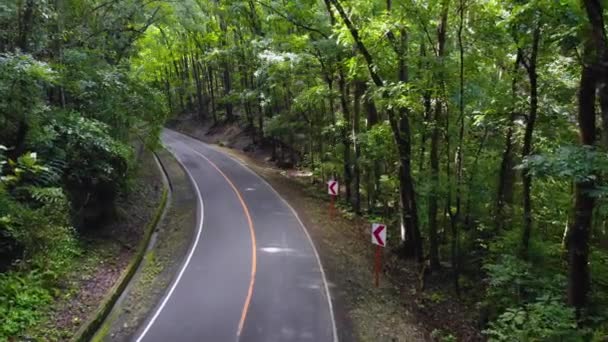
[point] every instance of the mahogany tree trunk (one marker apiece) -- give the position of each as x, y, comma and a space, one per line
527, 148
577, 237
359, 91
435, 140
212, 93
345, 136
199, 89
374, 171
506, 175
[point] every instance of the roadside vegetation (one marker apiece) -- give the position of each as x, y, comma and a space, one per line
479, 127
477, 130
71, 110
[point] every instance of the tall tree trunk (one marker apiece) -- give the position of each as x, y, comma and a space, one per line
345, 133
374, 172
26, 19
506, 174
402, 135
227, 90
258, 106
186, 76
455, 215
435, 139
600, 40
260, 121
359, 92
180, 92
603, 93
246, 88
527, 147
168, 93
196, 74
226, 78
57, 92
212, 94
467, 211
577, 237
26, 23
433, 195
428, 109
595, 56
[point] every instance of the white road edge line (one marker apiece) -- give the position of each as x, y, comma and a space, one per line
314, 248
190, 254
295, 213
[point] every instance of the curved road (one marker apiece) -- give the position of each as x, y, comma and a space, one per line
252, 273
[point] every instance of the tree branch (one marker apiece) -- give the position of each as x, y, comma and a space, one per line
293, 21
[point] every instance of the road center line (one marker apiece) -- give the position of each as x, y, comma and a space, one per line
253, 241
295, 213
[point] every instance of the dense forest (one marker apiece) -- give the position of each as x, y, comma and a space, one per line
71, 108
480, 127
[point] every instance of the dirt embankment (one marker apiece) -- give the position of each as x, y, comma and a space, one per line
106, 253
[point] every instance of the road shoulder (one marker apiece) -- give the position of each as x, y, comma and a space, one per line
161, 263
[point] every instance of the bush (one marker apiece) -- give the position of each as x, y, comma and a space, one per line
37, 218
34, 220
21, 297
528, 305
92, 164
546, 319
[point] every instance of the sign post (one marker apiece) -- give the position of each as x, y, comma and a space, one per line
378, 239
332, 190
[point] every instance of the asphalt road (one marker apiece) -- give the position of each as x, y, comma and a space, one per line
252, 273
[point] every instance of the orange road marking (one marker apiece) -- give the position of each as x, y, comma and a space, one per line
253, 241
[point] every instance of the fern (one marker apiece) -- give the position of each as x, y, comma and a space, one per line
48, 196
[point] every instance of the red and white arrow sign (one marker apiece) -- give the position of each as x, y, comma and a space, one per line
332, 187
379, 234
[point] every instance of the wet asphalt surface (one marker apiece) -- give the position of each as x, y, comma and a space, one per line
210, 301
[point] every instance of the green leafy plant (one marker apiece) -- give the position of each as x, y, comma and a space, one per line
545, 319
22, 296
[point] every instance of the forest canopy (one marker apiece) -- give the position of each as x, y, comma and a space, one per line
71, 107
477, 129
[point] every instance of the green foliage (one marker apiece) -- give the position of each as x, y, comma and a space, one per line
22, 296
442, 336
112, 94
37, 218
507, 280
378, 143
81, 80
569, 162
71, 104
25, 169
295, 67
529, 302
90, 153
22, 81
545, 319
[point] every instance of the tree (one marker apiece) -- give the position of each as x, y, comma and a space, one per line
484, 96
401, 133
595, 55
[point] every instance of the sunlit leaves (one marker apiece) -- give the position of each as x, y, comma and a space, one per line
570, 162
